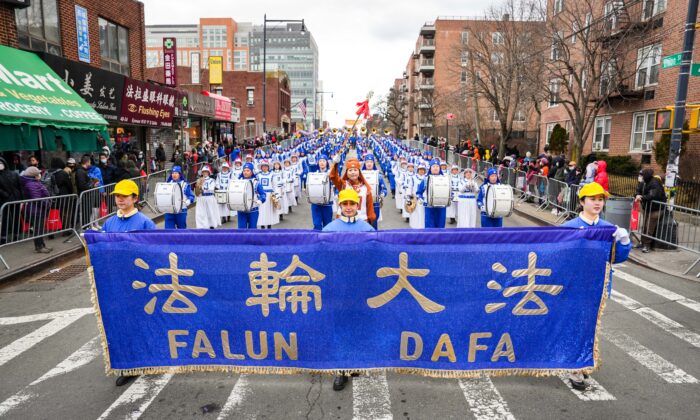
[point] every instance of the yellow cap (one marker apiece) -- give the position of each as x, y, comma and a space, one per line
591, 190
349, 195
126, 187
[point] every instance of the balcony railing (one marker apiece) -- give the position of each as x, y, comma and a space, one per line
427, 64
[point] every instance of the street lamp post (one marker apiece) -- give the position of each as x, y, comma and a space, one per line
264, 98
316, 122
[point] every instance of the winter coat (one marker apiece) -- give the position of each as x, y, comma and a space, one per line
33, 188
652, 191
62, 180
602, 175
82, 180
10, 188
160, 154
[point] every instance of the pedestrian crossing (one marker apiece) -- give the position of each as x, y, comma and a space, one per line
372, 396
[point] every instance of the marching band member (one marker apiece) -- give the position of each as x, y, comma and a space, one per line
249, 220
592, 197
279, 183
179, 220
207, 212
268, 216
368, 165
455, 183
289, 175
417, 218
434, 216
322, 214
296, 166
486, 221
399, 175
466, 206
353, 179
408, 188
222, 180
237, 169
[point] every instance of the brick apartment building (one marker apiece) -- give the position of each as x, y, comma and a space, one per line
435, 83
245, 90
625, 125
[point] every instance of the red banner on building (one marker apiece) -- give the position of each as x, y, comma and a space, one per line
222, 110
147, 104
170, 61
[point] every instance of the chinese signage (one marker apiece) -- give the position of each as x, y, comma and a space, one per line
201, 105
438, 304
235, 115
216, 70
170, 62
81, 24
30, 90
194, 67
147, 104
101, 89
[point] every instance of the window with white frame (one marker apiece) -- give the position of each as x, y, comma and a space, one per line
601, 135
465, 37
38, 28
642, 132
465, 58
611, 14
548, 132
554, 86
114, 47
240, 60
653, 8
574, 32
584, 80
497, 38
494, 115
608, 77
250, 94
519, 115
557, 40
463, 77
497, 58
648, 65
558, 6
588, 22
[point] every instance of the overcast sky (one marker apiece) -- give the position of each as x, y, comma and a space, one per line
363, 45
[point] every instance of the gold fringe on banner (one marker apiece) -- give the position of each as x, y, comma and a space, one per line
278, 370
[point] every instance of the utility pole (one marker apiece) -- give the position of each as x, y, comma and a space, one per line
681, 95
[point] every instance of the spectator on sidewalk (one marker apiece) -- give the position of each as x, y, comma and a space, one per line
651, 194
106, 168
601, 176
160, 157
10, 190
35, 212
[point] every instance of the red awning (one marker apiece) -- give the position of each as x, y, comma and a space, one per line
223, 106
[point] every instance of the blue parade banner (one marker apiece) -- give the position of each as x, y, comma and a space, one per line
445, 303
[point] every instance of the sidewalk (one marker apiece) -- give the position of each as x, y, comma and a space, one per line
671, 262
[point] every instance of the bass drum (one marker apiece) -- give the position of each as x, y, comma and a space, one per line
169, 197
319, 188
438, 191
221, 196
372, 178
241, 195
499, 200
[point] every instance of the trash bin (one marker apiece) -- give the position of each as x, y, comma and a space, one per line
618, 211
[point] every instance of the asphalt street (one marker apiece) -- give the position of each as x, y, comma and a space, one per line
52, 366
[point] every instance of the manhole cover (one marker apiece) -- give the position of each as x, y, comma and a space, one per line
64, 273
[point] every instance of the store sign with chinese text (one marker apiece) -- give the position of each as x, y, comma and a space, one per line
201, 105
147, 104
195, 67
170, 61
81, 25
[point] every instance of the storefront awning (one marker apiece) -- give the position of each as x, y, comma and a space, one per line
32, 96
222, 106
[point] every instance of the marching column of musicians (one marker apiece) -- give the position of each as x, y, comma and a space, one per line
264, 186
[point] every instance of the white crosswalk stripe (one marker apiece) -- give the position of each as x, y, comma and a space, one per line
84, 355
142, 392
370, 397
658, 319
668, 294
647, 358
485, 402
594, 391
239, 393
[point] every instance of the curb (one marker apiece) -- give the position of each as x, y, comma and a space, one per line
631, 257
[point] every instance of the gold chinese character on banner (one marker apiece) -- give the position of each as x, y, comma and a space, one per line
266, 289
176, 289
529, 289
403, 273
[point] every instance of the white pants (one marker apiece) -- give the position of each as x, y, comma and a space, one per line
207, 212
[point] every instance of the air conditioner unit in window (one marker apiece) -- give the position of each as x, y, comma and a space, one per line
646, 147
597, 146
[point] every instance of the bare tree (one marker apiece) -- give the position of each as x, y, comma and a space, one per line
594, 58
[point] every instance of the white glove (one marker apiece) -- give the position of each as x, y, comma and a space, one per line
258, 203
482, 209
336, 159
622, 235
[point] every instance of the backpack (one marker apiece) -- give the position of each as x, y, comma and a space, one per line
49, 182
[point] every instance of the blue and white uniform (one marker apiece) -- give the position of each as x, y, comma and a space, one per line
249, 220
222, 180
455, 183
382, 191
434, 216
487, 221
322, 214
179, 220
417, 218
466, 206
207, 212
268, 215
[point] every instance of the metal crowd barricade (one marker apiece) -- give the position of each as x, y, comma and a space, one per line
521, 185
559, 198
95, 205
25, 220
151, 181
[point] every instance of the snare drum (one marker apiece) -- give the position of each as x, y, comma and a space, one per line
221, 196
438, 191
319, 187
169, 197
372, 178
241, 195
499, 200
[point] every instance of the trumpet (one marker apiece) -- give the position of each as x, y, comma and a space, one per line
387, 131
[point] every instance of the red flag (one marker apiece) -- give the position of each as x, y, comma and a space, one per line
363, 109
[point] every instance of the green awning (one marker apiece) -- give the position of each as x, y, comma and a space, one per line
14, 137
32, 94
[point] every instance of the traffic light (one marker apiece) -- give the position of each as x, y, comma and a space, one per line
664, 119
694, 121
